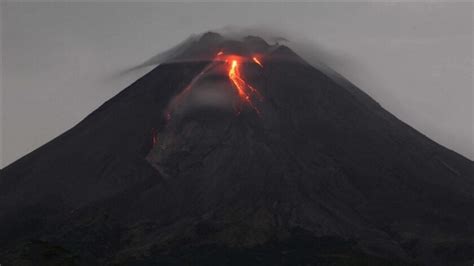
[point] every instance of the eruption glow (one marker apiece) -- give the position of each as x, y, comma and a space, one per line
255, 59
233, 65
244, 90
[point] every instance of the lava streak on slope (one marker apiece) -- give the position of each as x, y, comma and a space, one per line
257, 61
154, 139
232, 65
245, 91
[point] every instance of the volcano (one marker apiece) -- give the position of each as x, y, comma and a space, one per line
238, 152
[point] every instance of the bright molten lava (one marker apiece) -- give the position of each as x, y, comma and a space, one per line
257, 61
245, 91
233, 65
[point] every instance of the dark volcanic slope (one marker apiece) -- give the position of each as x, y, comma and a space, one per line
324, 176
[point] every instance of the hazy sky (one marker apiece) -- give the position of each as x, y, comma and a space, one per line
60, 61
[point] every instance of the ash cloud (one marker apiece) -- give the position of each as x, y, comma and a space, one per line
315, 55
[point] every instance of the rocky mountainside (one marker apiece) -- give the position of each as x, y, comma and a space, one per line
238, 153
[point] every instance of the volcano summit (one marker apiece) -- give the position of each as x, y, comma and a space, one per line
238, 152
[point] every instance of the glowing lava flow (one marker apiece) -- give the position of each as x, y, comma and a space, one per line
239, 83
244, 90
255, 59
233, 63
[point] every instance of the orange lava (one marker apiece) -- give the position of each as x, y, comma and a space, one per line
245, 91
233, 63
255, 59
